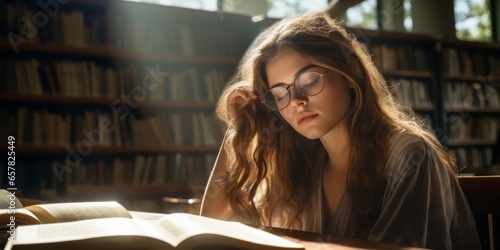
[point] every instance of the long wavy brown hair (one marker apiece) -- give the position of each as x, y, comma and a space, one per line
273, 169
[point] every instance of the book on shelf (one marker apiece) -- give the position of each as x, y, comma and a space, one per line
411, 92
390, 57
108, 129
469, 61
140, 170
115, 228
484, 128
84, 78
473, 158
469, 95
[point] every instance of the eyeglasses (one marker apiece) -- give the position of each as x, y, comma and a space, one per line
309, 83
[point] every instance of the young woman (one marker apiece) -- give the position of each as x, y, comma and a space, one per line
316, 142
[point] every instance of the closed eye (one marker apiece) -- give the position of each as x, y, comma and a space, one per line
311, 84
281, 98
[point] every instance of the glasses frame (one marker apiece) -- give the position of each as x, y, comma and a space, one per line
293, 84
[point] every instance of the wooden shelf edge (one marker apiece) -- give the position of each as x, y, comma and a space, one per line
473, 110
472, 142
32, 149
476, 172
77, 100
385, 34
472, 78
469, 44
407, 73
423, 108
118, 54
479, 177
124, 191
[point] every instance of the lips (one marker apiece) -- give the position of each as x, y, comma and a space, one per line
305, 117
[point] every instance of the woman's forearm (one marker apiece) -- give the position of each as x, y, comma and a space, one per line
215, 203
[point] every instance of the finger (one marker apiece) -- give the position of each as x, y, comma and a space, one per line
253, 94
249, 94
239, 95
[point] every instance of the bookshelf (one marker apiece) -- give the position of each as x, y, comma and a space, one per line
471, 101
114, 99
407, 63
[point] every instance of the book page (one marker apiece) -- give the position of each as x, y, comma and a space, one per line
21, 217
8, 200
12, 218
74, 211
189, 230
184, 230
109, 232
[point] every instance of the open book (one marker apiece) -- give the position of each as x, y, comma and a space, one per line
172, 231
13, 214
108, 225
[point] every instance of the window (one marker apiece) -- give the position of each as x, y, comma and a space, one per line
473, 20
275, 8
363, 15
408, 21
210, 5
283, 8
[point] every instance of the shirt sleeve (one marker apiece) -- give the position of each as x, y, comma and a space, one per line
423, 205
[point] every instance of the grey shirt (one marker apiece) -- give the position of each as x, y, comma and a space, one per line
422, 206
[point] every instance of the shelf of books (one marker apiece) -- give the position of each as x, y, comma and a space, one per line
114, 94
406, 61
470, 76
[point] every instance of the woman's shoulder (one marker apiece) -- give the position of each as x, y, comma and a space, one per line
403, 141
408, 152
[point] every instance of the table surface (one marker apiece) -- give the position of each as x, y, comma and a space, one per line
308, 239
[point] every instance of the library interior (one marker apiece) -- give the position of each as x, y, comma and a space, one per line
116, 99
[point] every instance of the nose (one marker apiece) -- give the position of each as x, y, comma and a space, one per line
297, 98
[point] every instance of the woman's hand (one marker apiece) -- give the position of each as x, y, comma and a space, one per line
238, 99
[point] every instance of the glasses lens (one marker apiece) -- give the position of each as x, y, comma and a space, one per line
309, 83
277, 98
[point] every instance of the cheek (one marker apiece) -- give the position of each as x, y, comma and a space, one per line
336, 100
287, 114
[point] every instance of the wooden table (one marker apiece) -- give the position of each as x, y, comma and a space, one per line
311, 241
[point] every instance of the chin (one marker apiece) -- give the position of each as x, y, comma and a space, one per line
311, 136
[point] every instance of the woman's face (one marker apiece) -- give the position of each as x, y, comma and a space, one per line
311, 116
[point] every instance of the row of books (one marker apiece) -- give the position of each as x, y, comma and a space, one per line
142, 170
469, 95
47, 24
473, 157
128, 31
89, 79
461, 128
402, 57
176, 128
50, 128
411, 92
470, 62
191, 84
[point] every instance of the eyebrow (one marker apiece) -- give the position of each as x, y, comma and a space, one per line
302, 70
